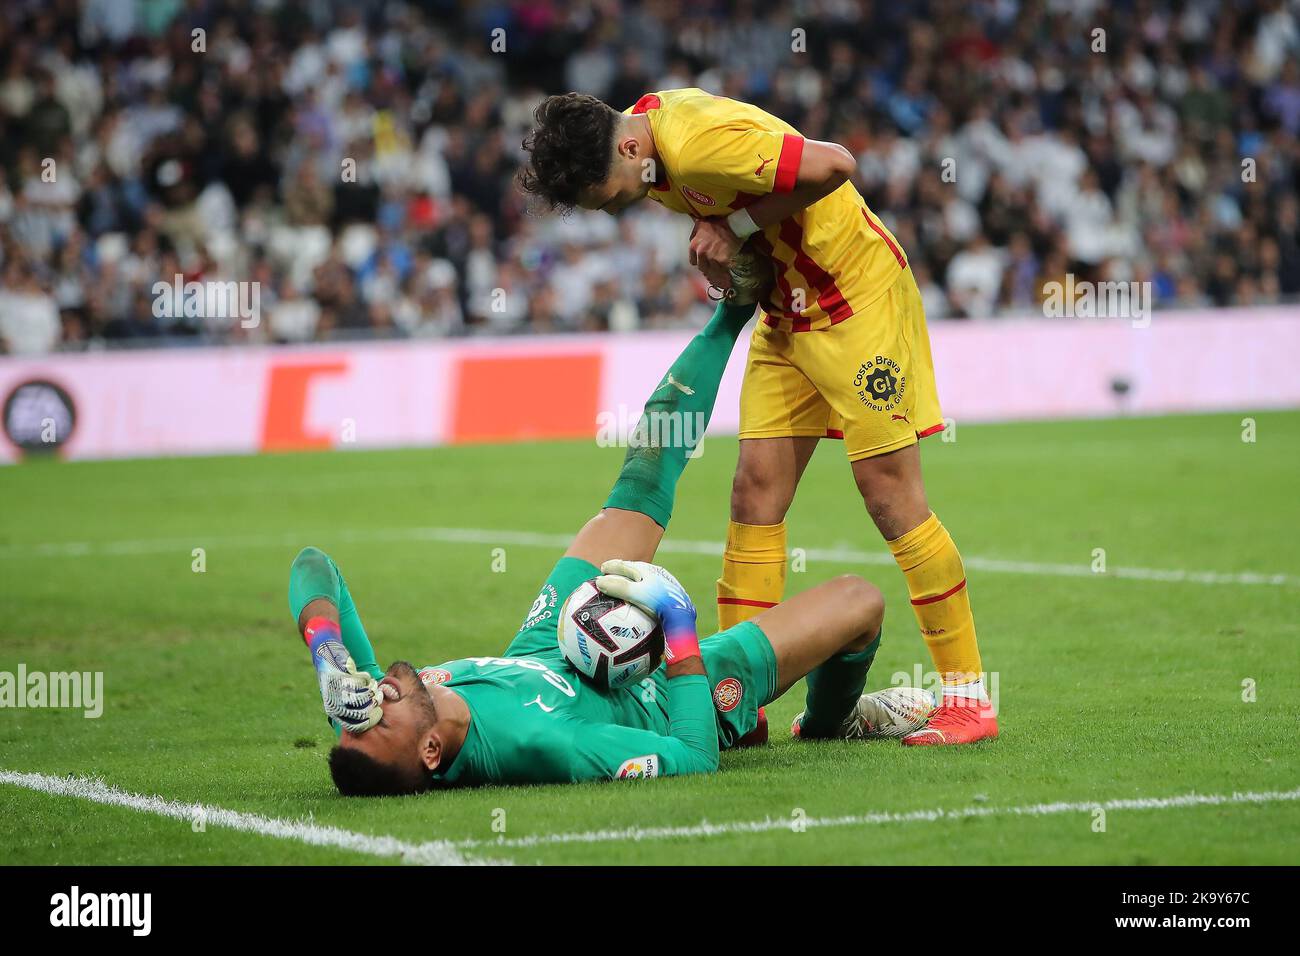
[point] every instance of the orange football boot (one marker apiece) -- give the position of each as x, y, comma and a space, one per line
957, 720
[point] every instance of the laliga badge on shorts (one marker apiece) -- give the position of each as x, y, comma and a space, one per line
637, 768
435, 675
727, 694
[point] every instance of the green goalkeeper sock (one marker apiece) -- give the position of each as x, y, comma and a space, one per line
833, 691
315, 575
676, 417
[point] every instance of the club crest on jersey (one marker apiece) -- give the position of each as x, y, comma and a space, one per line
881, 384
727, 694
637, 768
435, 675
697, 196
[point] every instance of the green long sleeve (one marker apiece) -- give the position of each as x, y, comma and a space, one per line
315, 575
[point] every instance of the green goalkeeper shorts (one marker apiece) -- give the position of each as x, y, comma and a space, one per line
740, 661
742, 669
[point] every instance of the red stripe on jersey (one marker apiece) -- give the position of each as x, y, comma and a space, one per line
834, 433
787, 167
762, 245
940, 597
648, 102
898, 254
829, 296
746, 603
932, 430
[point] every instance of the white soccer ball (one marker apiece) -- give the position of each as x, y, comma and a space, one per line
607, 639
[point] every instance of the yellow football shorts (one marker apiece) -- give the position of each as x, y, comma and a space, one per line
868, 379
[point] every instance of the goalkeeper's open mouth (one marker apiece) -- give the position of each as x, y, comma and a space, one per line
390, 688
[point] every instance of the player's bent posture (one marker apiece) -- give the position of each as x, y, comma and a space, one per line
842, 350
528, 717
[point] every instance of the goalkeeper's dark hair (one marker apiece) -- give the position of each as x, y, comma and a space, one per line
571, 148
359, 775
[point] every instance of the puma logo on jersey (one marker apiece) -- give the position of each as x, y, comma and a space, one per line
684, 389
899, 418
539, 703
762, 165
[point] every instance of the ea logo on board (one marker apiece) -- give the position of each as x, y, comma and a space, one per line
39, 416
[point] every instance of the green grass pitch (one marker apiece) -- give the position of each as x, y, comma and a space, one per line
1112, 687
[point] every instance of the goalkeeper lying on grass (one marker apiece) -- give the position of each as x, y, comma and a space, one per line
529, 717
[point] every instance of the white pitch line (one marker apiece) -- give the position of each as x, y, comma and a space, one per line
936, 815
435, 853
446, 853
532, 539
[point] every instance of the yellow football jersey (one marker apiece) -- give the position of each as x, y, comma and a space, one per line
718, 155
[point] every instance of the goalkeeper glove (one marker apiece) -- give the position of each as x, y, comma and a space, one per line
654, 590
351, 697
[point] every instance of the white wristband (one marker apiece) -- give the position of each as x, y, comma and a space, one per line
742, 224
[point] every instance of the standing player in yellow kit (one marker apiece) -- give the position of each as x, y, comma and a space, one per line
841, 351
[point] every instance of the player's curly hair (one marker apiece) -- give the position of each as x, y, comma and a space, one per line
570, 148
359, 775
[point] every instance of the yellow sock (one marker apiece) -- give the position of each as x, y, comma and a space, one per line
936, 580
753, 571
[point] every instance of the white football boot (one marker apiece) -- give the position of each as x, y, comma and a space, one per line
884, 714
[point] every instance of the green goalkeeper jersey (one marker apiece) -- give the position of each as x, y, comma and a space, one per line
533, 720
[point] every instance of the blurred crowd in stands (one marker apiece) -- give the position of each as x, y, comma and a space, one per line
355, 158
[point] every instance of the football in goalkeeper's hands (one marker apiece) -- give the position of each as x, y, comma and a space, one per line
608, 640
